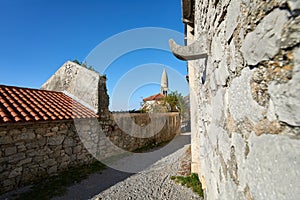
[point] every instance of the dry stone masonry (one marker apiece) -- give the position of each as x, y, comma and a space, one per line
245, 97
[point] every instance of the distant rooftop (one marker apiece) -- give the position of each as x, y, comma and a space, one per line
155, 97
33, 105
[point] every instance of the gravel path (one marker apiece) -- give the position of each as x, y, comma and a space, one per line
153, 183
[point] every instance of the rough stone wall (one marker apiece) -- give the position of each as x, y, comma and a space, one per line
130, 131
32, 151
245, 99
29, 152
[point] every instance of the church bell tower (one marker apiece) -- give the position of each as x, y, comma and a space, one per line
164, 85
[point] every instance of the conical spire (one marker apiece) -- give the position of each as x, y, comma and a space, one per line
164, 85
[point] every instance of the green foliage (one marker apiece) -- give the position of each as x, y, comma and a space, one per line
172, 101
76, 61
57, 185
191, 181
176, 102
104, 76
85, 65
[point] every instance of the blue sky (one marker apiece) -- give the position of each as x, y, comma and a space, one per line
37, 37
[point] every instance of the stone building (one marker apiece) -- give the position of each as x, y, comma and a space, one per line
244, 75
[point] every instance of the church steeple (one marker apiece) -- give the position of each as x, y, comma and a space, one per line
164, 85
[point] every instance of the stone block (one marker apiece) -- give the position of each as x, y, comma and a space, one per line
14, 131
294, 4
10, 150
266, 36
69, 142
52, 170
16, 157
54, 129
68, 151
25, 136
57, 140
5, 139
15, 172
21, 147
50, 134
77, 149
241, 103
286, 99
9, 182
25, 161
40, 131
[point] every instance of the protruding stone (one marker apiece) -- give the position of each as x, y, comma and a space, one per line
194, 51
266, 36
286, 97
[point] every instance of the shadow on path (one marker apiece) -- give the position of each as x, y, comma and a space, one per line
94, 184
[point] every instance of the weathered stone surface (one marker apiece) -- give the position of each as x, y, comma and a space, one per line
241, 103
217, 49
290, 35
5, 140
294, 4
25, 136
77, 149
57, 140
52, 170
69, 142
16, 157
218, 110
25, 161
15, 172
266, 36
222, 74
286, 96
277, 170
10, 151
233, 12
243, 127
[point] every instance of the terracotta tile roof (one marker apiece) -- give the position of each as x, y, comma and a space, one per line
154, 97
29, 105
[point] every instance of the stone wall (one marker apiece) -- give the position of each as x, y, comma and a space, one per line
130, 131
31, 151
245, 98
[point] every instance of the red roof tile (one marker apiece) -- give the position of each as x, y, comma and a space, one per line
28, 105
154, 97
